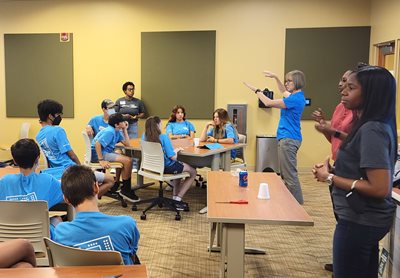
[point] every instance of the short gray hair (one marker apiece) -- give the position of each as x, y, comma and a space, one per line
298, 77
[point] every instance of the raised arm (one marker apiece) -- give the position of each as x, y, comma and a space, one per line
276, 103
203, 136
281, 86
126, 141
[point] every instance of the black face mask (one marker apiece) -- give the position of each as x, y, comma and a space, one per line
57, 120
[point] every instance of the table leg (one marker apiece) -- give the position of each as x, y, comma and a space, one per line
232, 250
216, 160
226, 157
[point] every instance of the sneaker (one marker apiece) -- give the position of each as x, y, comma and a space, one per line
111, 194
328, 267
134, 170
113, 171
182, 206
129, 196
114, 188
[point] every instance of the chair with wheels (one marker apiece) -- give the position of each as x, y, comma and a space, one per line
239, 161
152, 166
61, 255
27, 220
97, 167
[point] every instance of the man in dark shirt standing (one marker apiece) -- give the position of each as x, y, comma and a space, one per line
132, 109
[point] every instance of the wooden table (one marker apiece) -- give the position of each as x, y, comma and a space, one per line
198, 157
195, 156
8, 170
137, 271
281, 209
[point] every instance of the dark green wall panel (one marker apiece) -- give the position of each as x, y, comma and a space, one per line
38, 66
324, 54
178, 68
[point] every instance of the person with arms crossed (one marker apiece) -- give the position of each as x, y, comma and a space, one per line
363, 174
289, 128
17, 253
92, 229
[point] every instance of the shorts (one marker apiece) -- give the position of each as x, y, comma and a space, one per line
99, 176
112, 157
175, 168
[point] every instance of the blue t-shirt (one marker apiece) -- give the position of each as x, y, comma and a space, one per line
107, 138
97, 123
167, 147
98, 231
180, 128
229, 133
34, 187
54, 142
289, 123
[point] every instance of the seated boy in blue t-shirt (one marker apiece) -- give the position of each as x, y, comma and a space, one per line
55, 145
100, 122
103, 151
28, 185
92, 229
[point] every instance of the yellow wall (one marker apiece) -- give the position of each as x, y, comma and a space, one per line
250, 38
386, 27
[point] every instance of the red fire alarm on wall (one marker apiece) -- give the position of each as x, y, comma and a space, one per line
64, 37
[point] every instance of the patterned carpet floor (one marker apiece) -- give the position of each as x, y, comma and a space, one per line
171, 248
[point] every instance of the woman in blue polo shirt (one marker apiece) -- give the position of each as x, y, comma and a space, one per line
178, 126
289, 129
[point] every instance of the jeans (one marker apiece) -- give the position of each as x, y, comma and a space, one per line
133, 133
133, 130
356, 250
287, 156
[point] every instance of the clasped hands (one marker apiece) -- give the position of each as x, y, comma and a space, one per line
321, 171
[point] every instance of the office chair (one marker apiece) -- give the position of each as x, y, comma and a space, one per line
239, 161
28, 220
61, 255
87, 160
152, 166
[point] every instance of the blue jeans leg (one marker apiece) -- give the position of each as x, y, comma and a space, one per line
133, 133
356, 250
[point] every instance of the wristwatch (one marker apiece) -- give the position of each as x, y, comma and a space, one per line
329, 179
337, 134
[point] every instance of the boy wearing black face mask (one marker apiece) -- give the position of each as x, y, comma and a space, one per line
54, 142
100, 122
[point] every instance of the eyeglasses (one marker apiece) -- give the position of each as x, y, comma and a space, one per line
288, 80
130, 89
